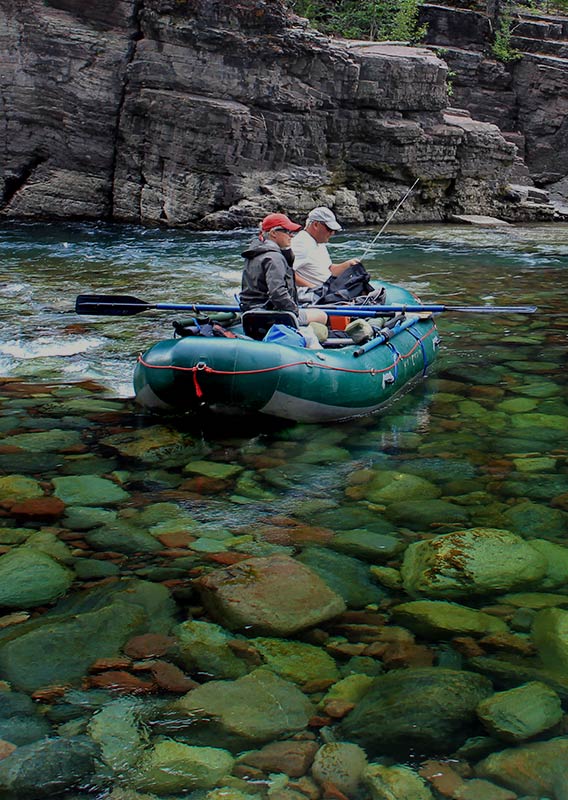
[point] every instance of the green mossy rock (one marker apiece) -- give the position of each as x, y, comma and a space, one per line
550, 635
295, 661
395, 783
435, 619
520, 713
257, 708
16, 488
205, 646
88, 490
29, 578
409, 711
388, 487
171, 767
470, 562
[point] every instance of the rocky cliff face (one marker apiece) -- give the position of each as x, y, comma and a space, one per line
526, 97
210, 114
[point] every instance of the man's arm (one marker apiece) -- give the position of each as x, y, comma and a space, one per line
337, 269
302, 281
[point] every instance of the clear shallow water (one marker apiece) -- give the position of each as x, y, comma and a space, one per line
488, 428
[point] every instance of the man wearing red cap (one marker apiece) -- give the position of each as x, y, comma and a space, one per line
268, 277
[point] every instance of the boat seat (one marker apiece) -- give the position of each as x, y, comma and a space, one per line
258, 321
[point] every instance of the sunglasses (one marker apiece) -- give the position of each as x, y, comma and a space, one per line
282, 230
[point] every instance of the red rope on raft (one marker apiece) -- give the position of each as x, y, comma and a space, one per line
202, 367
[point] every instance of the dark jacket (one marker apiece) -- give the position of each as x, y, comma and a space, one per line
268, 278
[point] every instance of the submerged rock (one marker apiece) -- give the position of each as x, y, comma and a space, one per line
475, 561
171, 767
45, 768
550, 635
537, 769
204, 646
342, 764
29, 577
256, 708
88, 490
425, 710
296, 661
520, 713
436, 618
395, 783
346, 576
249, 595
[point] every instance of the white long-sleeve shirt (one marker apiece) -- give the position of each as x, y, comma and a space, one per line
311, 260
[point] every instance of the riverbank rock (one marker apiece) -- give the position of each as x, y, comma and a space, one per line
249, 595
474, 561
296, 661
252, 710
379, 111
29, 577
427, 710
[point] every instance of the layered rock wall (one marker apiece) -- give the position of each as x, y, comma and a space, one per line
526, 97
202, 113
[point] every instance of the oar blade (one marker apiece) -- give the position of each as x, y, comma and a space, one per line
494, 309
112, 305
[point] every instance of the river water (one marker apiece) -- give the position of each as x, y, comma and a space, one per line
487, 429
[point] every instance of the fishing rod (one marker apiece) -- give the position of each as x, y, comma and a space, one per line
389, 218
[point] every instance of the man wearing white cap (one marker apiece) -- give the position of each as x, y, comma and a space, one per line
312, 262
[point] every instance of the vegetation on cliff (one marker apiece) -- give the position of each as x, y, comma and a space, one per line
369, 19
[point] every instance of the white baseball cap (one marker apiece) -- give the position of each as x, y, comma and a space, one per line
325, 215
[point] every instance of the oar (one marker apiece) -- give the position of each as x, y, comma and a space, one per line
124, 305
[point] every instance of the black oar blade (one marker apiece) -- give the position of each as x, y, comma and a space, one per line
113, 305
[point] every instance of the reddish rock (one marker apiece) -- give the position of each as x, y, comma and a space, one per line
442, 777
467, 646
121, 682
338, 708
298, 535
148, 645
250, 595
227, 558
246, 651
48, 508
49, 693
407, 654
171, 678
14, 619
6, 749
331, 792
103, 664
509, 642
560, 501
176, 539
293, 758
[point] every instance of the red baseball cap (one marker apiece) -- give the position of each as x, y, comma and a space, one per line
278, 221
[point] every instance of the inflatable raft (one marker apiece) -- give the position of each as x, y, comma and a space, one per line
236, 373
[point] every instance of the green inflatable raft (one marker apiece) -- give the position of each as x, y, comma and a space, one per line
240, 374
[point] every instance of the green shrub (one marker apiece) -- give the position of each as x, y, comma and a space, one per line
364, 19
